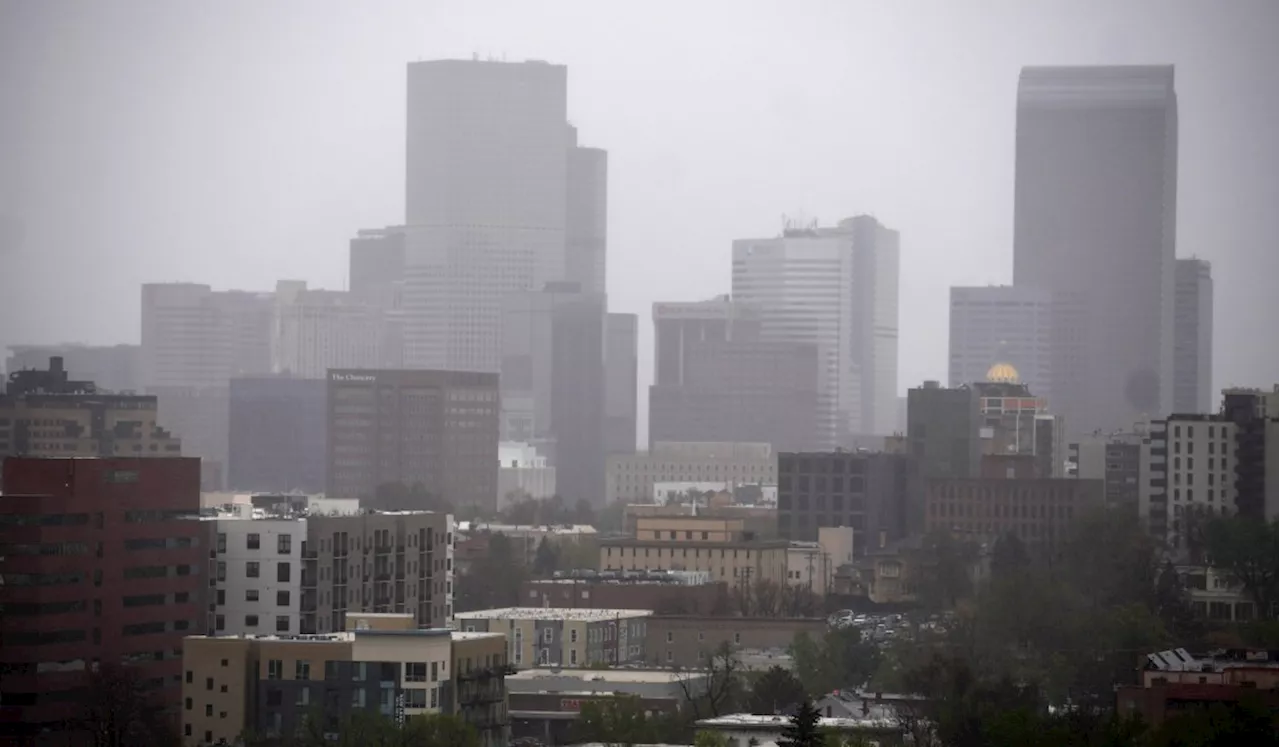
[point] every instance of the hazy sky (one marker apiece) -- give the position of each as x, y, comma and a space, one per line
235, 143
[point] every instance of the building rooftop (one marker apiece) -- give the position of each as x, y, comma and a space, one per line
552, 613
751, 721
482, 526
459, 635
602, 676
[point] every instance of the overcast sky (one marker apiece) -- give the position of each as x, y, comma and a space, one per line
234, 143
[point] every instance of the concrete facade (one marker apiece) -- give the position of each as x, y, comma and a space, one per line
256, 576
1001, 324
543, 636
1192, 337
632, 477
277, 431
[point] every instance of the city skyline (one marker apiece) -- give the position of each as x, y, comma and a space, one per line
975, 242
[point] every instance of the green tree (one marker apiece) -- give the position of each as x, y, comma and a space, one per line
803, 730
710, 739
492, 580
837, 661
120, 711
774, 691
943, 567
622, 720
546, 558
1247, 549
1009, 555
439, 730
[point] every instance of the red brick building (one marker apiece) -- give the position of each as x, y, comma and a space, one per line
1034, 510
102, 564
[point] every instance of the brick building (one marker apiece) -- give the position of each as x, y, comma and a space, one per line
102, 564
1033, 510
686, 639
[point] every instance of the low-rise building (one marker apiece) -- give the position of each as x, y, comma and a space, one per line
686, 640
631, 476
524, 538
812, 565
558, 636
664, 592
720, 547
742, 729
759, 518
1035, 511
1172, 681
523, 473
270, 685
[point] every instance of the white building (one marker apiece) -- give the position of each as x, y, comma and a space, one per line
1001, 324
523, 473
487, 201
836, 288
632, 477
315, 330
256, 578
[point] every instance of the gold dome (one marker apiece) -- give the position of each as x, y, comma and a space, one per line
1002, 373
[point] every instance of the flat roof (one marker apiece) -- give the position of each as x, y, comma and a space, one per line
604, 676
757, 721
552, 613
462, 635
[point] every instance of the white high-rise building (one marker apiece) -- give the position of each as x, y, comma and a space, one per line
316, 330
487, 190
836, 288
1001, 324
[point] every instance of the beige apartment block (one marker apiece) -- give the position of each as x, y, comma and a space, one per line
571, 637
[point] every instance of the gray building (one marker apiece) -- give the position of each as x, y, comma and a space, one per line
434, 428
1001, 324
1192, 336
864, 491
376, 263
836, 288
553, 388
586, 217
943, 440
621, 371
1094, 222
277, 434
113, 368
717, 379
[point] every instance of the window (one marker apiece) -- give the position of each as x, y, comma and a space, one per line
282, 623
284, 544
282, 572
219, 623
187, 704
251, 621
573, 656
302, 669
222, 571
275, 669
670, 636
275, 697
251, 569
415, 698
253, 540
208, 683
282, 599
250, 595
208, 709
737, 639
188, 676
415, 671
573, 636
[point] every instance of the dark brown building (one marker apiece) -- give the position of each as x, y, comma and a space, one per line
662, 596
867, 492
434, 428
1033, 510
103, 565
691, 640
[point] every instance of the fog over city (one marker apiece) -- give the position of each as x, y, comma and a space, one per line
237, 143
716, 373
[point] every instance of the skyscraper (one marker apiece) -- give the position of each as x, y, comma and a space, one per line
485, 202
1192, 337
1001, 324
1094, 222
586, 219
836, 288
621, 371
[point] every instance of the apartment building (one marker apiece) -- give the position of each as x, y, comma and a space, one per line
542, 636
103, 561
721, 547
386, 562
631, 477
255, 575
436, 428
271, 685
43, 413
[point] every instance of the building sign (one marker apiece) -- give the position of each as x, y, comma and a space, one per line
352, 377
400, 709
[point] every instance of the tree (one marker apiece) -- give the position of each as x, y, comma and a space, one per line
1009, 555
1247, 548
622, 720
545, 559
803, 731
120, 711
837, 661
710, 739
943, 570
774, 691
715, 690
492, 580
439, 730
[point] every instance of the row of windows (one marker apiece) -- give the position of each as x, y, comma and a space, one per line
253, 569
158, 571
1002, 511
156, 627
161, 543
46, 548
252, 595
44, 520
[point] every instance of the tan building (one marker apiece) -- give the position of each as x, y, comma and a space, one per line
631, 476
390, 562
720, 547
762, 520
44, 414
687, 640
571, 637
271, 685
812, 565
434, 428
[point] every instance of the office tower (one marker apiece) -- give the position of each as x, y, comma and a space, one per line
45, 414
485, 201
621, 371
376, 262
277, 434
867, 492
1192, 336
586, 219
194, 340
1001, 324
716, 379
1094, 222
316, 330
113, 368
437, 429
553, 382
836, 288
102, 564
942, 430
